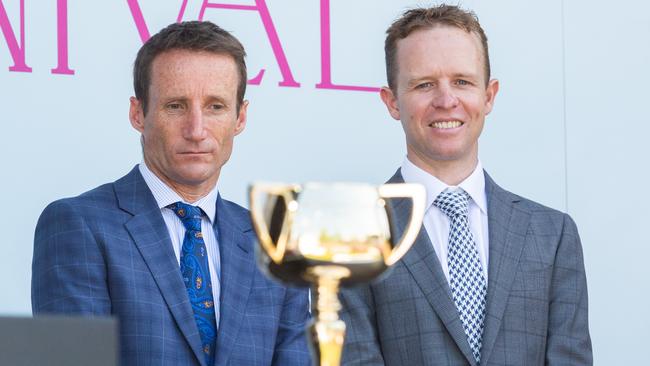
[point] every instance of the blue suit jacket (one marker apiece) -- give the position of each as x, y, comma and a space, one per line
108, 252
536, 300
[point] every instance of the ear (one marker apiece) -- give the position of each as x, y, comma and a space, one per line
390, 100
241, 118
491, 93
136, 114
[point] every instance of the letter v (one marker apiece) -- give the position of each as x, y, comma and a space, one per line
138, 18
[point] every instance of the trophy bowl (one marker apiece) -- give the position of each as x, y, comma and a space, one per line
326, 235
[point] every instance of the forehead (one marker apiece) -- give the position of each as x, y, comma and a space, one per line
176, 69
440, 48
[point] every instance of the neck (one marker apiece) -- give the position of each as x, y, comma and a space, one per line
450, 172
190, 194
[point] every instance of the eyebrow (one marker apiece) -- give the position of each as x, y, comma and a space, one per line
417, 81
458, 75
185, 99
173, 98
465, 76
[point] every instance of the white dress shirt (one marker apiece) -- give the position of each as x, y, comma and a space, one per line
165, 196
437, 223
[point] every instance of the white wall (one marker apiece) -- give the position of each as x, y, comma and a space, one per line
569, 127
608, 124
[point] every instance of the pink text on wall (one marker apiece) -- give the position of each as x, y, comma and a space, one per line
14, 35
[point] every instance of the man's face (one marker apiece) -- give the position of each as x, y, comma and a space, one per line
441, 96
191, 119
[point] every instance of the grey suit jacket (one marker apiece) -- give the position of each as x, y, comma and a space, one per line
536, 301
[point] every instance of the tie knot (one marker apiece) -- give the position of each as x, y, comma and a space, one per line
453, 203
189, 215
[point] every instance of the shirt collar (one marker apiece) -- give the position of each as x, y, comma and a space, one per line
474, 184
165, 196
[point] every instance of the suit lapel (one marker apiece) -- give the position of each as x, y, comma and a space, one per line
422, 263
507, 225
237, 271
148, 230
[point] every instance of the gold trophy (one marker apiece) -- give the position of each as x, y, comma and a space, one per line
328, 235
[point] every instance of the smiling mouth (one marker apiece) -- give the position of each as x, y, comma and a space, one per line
446, 124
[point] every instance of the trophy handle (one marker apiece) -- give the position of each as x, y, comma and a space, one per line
417, 194
274, 250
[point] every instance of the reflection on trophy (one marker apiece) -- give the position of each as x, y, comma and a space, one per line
328, 235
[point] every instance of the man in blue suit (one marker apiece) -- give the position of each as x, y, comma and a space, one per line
493, 278
159, 248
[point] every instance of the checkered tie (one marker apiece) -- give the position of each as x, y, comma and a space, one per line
196, 276
466, 279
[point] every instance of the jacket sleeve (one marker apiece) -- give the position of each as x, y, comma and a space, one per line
291, 344
568, 329
68, 268
361, 343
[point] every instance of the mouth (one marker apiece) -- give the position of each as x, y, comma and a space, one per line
446, 125
194, 153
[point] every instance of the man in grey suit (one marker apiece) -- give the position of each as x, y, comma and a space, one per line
493, 278
159, 249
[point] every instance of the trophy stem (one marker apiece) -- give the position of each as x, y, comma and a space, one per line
327, 331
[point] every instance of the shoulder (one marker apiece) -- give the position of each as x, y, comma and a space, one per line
543, 219
535, 208
548, 220
71, 225
100, 198
98, 203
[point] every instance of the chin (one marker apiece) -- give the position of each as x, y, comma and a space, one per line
195, 175
445, 154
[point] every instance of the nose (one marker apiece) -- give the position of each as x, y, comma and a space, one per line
194, 128
444, 97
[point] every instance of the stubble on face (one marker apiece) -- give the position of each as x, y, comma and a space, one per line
192, 119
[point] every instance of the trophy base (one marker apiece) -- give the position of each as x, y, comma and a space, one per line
327, 331
326, 342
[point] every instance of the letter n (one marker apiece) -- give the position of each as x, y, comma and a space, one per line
17, 52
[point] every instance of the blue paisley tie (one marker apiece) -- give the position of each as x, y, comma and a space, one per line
196, 276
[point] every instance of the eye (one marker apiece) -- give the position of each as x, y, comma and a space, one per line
216, 106
424, 85
174, 106
462, 82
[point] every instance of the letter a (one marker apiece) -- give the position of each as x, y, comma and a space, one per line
263, 10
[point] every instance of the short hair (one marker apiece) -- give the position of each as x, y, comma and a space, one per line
193, 36
424, 18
